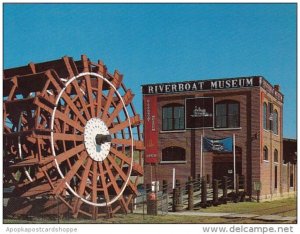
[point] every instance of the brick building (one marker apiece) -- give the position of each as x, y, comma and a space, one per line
247, 111
290, 165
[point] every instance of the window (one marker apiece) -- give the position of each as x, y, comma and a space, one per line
265, 154
227, 114
173, 153
173, 117
276, 156
271, 117
275, 122
265, 117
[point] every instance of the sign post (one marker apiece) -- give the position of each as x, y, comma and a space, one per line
257, 188
234, 163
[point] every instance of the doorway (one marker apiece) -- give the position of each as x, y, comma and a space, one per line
221, 169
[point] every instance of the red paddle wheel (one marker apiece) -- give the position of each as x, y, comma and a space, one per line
71, 132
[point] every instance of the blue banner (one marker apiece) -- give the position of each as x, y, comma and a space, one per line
224, 145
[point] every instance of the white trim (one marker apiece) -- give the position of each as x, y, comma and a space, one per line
82, 91
173, 177
199, 128
174, 131
52, 139
173, 162
20, 148
266, 161
226, 129
269, 130
48, 91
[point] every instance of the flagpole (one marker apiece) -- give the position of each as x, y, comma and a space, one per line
173, 181
201, 156
234, 164
203, 125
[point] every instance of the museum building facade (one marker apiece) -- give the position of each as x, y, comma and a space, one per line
215, 128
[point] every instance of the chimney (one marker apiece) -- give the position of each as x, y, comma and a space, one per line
277, 88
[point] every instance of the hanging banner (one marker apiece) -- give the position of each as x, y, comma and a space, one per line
199, 112
224, 145
150, 129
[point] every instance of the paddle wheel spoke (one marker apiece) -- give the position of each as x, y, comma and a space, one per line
72, 152
80, 94
94, 182
68, 137
109, 99
73, 107
103, 182
89, 91
99, 97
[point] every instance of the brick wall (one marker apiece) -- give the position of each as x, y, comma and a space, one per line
250, 139
272, 142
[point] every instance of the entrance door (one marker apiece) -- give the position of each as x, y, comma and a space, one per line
221, 169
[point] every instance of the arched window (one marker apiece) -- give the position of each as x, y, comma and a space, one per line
271, 116
276, 156
275, 122
173, 153
265, 115
173, 117
265, 153
227, 114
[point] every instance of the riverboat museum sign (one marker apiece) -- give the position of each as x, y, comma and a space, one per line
216, 84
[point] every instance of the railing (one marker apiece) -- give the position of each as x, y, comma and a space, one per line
190, 194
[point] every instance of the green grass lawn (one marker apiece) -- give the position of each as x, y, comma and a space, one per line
283, 207
140, 219
148, 219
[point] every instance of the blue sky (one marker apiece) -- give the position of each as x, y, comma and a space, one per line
152, 43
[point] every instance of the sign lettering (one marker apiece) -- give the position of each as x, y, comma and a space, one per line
151, 130
232, 83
